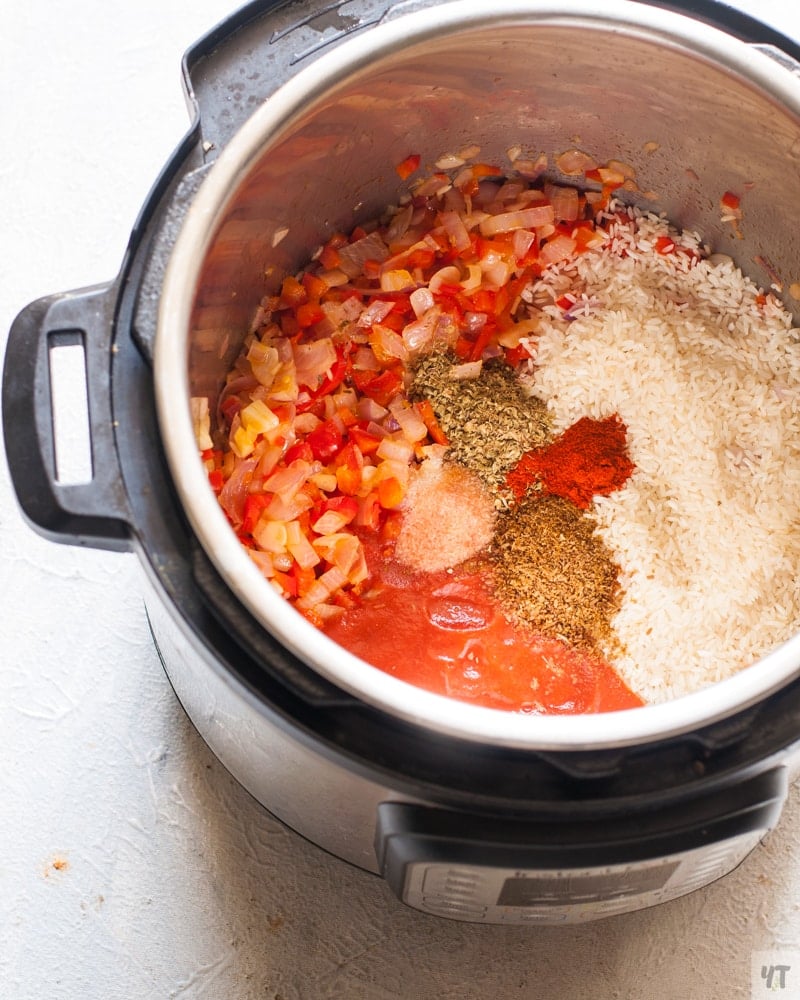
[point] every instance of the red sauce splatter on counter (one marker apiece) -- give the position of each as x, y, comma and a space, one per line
444, 632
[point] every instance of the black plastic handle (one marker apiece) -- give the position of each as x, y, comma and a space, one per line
93, 513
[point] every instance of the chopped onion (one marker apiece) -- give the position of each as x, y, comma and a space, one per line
516, 333
334, 277
271, 535
330, 522
264, 361
449, 161
387, 344
304, 423
234, 493
353, 255
475, 321
627, 171
368, 409
313, 360
526, 218
300, 547
449, 275
391, 469
400, 223
264, 562
469, 152
436, 184
421, 301
322, 588
575, 162
351, 308
287, 510
474, 280
564, 201
376, 429
453, 201
396, 449
398, 280
469, 370
365, 360
558, 249
375, 312
487, 192
456, 230
522, 241
411, 424
287, 481
269, 459
531, 169
498, 274
201, 419
339, 549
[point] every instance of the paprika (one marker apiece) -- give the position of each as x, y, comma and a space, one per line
589, 459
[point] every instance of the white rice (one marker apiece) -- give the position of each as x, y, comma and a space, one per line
707, 380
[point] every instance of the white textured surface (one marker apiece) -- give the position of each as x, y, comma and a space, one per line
173, 882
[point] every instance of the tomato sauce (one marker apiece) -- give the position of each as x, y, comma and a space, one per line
444, 632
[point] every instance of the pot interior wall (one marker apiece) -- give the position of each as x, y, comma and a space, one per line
690, 125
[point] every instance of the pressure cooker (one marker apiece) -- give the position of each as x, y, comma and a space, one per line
300, 111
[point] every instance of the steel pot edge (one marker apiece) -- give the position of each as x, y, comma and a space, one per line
641, 725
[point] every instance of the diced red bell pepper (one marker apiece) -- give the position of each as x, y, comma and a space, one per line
367, 442
292, 292
304, 578
314, 286
325, 441
482, 341
425, 410
665, 245
300, 450
230, 407
405, 168
382, 388
345, 505
514, 355
309, 313
254, 504
216, 480
730, 201
390, 493
332, 380
288, 582
421, 258
349, 463
370, 512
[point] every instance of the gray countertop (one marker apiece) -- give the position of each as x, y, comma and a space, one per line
131, 864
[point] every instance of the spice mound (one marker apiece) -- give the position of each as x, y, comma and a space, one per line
489, 420
554, 573
448, 517
589, 459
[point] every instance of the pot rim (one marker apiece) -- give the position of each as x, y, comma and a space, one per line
419, 707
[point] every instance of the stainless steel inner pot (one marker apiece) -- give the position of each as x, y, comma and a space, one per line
693, 110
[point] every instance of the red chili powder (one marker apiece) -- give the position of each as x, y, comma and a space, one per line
589, 459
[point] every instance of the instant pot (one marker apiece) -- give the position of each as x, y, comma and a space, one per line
300, 112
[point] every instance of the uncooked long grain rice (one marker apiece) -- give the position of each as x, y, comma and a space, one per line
706, 376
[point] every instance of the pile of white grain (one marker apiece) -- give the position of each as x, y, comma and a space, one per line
707, 379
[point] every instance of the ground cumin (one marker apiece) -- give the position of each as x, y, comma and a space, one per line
554, 573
